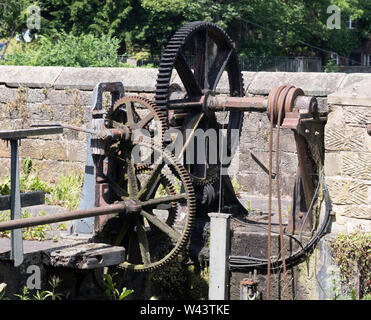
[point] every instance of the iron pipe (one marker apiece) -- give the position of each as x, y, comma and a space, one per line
59, 217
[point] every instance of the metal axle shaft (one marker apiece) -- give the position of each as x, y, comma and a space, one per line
59, 217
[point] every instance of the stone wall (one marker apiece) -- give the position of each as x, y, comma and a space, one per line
348, 156
63, 95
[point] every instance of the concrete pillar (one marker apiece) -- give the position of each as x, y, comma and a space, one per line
219, 253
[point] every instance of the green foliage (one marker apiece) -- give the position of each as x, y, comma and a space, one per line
257, 27
181, 278
68, 50
111, 290
331, 66
54, 282
13, 16
352, 253
66, 192
28, 181
24, 295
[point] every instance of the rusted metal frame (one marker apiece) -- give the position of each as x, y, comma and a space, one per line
307, 172
59, 217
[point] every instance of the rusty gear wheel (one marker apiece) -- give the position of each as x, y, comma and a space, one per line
155, 233
140, 114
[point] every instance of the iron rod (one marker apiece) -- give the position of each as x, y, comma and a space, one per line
59, 217
15, 204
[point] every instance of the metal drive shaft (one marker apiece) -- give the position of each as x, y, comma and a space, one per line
59, 217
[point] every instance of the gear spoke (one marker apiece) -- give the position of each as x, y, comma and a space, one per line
186, 75
161, 200
122, 233
147, 187
201, 58
218, 67
120, 192
143, 122
143, 242
132, 179
130, 114
175, 235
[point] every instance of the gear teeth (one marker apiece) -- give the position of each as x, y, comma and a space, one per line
183, 175
159, 115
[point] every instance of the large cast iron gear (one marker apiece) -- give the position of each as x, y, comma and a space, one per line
146, 229
152, 240
213, 53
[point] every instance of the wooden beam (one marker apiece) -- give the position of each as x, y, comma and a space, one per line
28, 199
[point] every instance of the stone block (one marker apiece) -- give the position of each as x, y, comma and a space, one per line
31, 148
356, 94
134, 79
353, 78
333, 164
4, 149
344, 138
32, 77
347, 191
76, 151
53, 150
7, 94
357, 165
355, 211
51, 170
69, 97
357, 116
354, 224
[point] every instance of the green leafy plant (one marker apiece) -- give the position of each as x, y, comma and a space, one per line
352, 253
69, 50
54, 283
331, 66
24, 295
236, 186
66, 192
111, 291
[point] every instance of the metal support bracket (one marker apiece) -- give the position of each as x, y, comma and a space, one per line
85, 227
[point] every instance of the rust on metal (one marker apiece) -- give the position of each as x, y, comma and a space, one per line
59, 217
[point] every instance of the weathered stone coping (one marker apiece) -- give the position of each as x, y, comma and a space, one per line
144, 79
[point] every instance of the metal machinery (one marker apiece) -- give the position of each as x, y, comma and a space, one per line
149, 207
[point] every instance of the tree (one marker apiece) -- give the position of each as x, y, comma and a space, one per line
13, 18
